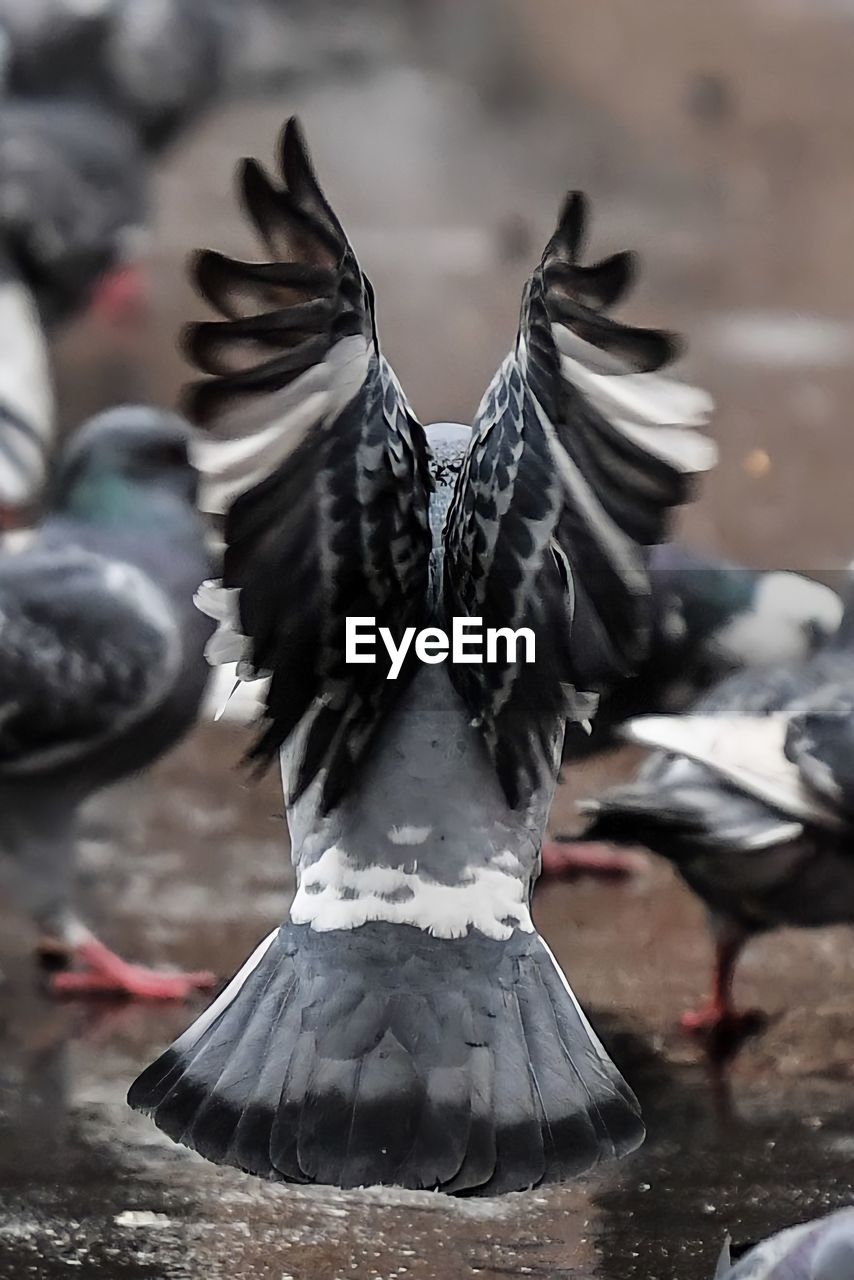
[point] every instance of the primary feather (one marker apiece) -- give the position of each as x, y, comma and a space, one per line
580, 450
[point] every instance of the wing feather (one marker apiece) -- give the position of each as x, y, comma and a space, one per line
580, 450
320, 467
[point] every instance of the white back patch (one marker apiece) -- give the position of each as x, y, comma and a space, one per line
335, 893
409, 835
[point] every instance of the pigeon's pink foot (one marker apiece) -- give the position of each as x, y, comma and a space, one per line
722, 1026
713, 1018
102, 972
566, 859
120, 295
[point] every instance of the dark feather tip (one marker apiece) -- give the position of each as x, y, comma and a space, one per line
294, 157
572, 225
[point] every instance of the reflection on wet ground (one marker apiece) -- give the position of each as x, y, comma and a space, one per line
86, 1183
448, 195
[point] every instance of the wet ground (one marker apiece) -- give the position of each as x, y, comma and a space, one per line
203, 875
724, 153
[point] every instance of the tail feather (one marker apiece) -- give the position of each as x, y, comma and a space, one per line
466, 1066
212, 1128
249, 1148
567, 1132
282, 1135
438, 1152
608, 1098
520, 1154
480, 1156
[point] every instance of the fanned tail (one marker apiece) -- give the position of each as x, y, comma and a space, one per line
465, 1066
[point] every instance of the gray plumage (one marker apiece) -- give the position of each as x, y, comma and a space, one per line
819, 1250
72, 198
710, 618
26, 398
751, 797
101, 664
407, 1025
154, 64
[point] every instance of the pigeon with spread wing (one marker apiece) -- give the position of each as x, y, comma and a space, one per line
407, 1024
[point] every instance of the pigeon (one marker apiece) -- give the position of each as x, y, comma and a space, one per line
751, 797
26, 400
710, 617
155, 64
819, 1250
101, 666
407, 1025
71, 197
713, 617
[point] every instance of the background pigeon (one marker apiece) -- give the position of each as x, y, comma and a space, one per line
101, 664
155, 64
710, 618
820, 1250
71, 198
407, 1025
750, 797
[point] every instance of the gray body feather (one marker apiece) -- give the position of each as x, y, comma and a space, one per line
156, 65
101, 649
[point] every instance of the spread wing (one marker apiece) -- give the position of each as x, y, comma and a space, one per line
320, 467
88, 649
579, 452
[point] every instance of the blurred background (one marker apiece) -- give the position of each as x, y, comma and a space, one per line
718, 141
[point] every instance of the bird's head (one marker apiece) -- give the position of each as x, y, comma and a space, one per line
125, 467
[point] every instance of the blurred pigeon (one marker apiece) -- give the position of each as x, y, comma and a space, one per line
820, 1250
407, 1025
101, 664
751, 796
156, 64
70, 200
710, 618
